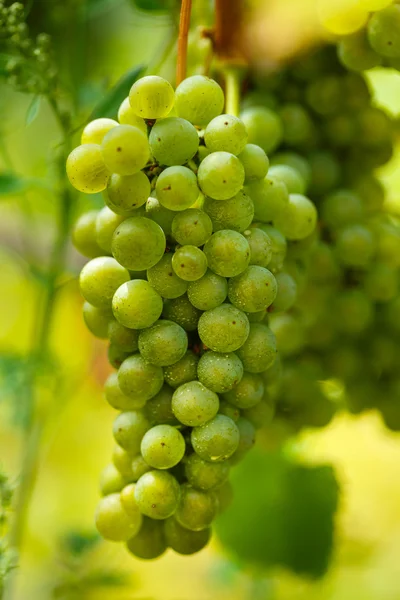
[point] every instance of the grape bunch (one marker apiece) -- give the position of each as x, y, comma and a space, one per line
186, 263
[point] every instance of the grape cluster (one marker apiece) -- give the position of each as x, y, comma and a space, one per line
186, 263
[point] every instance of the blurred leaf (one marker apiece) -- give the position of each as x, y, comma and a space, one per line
10, 183
106, 578
282, 514
33, 110
109, 105
77, 543
154, 5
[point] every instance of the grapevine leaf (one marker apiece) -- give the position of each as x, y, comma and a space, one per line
10, 183
33, 110
282, 514
109, 104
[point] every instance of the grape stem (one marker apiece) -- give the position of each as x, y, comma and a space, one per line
184, 24
232, 91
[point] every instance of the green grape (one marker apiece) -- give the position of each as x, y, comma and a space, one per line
258, 352
184, 541
136, 304
196, 509
273, 374
161, 215
289, 333
199, 99
111, 481
182, 312
270, 198
164, 280
255, 162
256, 317
298, 127
264, 127
122, 461
139, 379
125, 150
383, 31
227, 409
220, 175
189, 263
226, 133
128, 502
202, 152
248, 392
163, 447
123, 337
116, 356
150, 542
177, 188
193, 404
183, 371
126, 116
203, 475
112, 522
260, 247
323, 264
106, 223
95, 131
216, 440
159, 408
97, 320
381, 283
227, 252
352, 312
374, 127
125, 194
292, 159
341, 130
253, 290
224, 496
99, 280
173, 141
388, 243
355, 246
84, 235
355, 52
278, 244
261, 414
128, 430
138, 243
290, 176
341, 208
246, 442
219, 372
86, 169
163, 344
151, 97
324, 95
139, 467
208, 292
235, 213
325, 173
371, 192
287, 292
157, 494
192, 227
117, 399
224, 328
299, 218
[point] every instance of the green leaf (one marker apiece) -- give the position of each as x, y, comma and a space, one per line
10, 183
33, 110
110, 103
154, 5
282, 514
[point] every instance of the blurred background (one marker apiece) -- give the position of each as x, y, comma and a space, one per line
53, 419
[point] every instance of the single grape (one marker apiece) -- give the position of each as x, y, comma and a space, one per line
128, 430
177, 188
117, 399
292, 179
235, 213
97, 320
139, 467
116, 356
325, 172
125, 194
381, 283
138, 243
193, 404
208, 292
255, 162
99, 280
139, 379
95, 131
261, 414
203, 475
196, 510
258, 352
84, 235
164, 280
219, 372
122, 461
226, 133
163, 344
341, 208
352, 311
248, 392
126, 116
227, 252
270, 198
287, 292
220, 175
223, 329
247, 440
191, 227
384, 31
173, 141
112, 522
106, 223
182, 312
151, 97
123, 337
343, 16
183, 371
184, 541
163, 447
253, 290
355, 52
278, 245
292, 159
224, 496
159, 408
299, 218
125, 150
298, 127
86, 169
289, 332
136, 304
263, 126
199, 99
161, 215
216, 440
227, 409
111, 481
150, 542
355, 246
189, 263
129, 504
157, 494
260, 246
